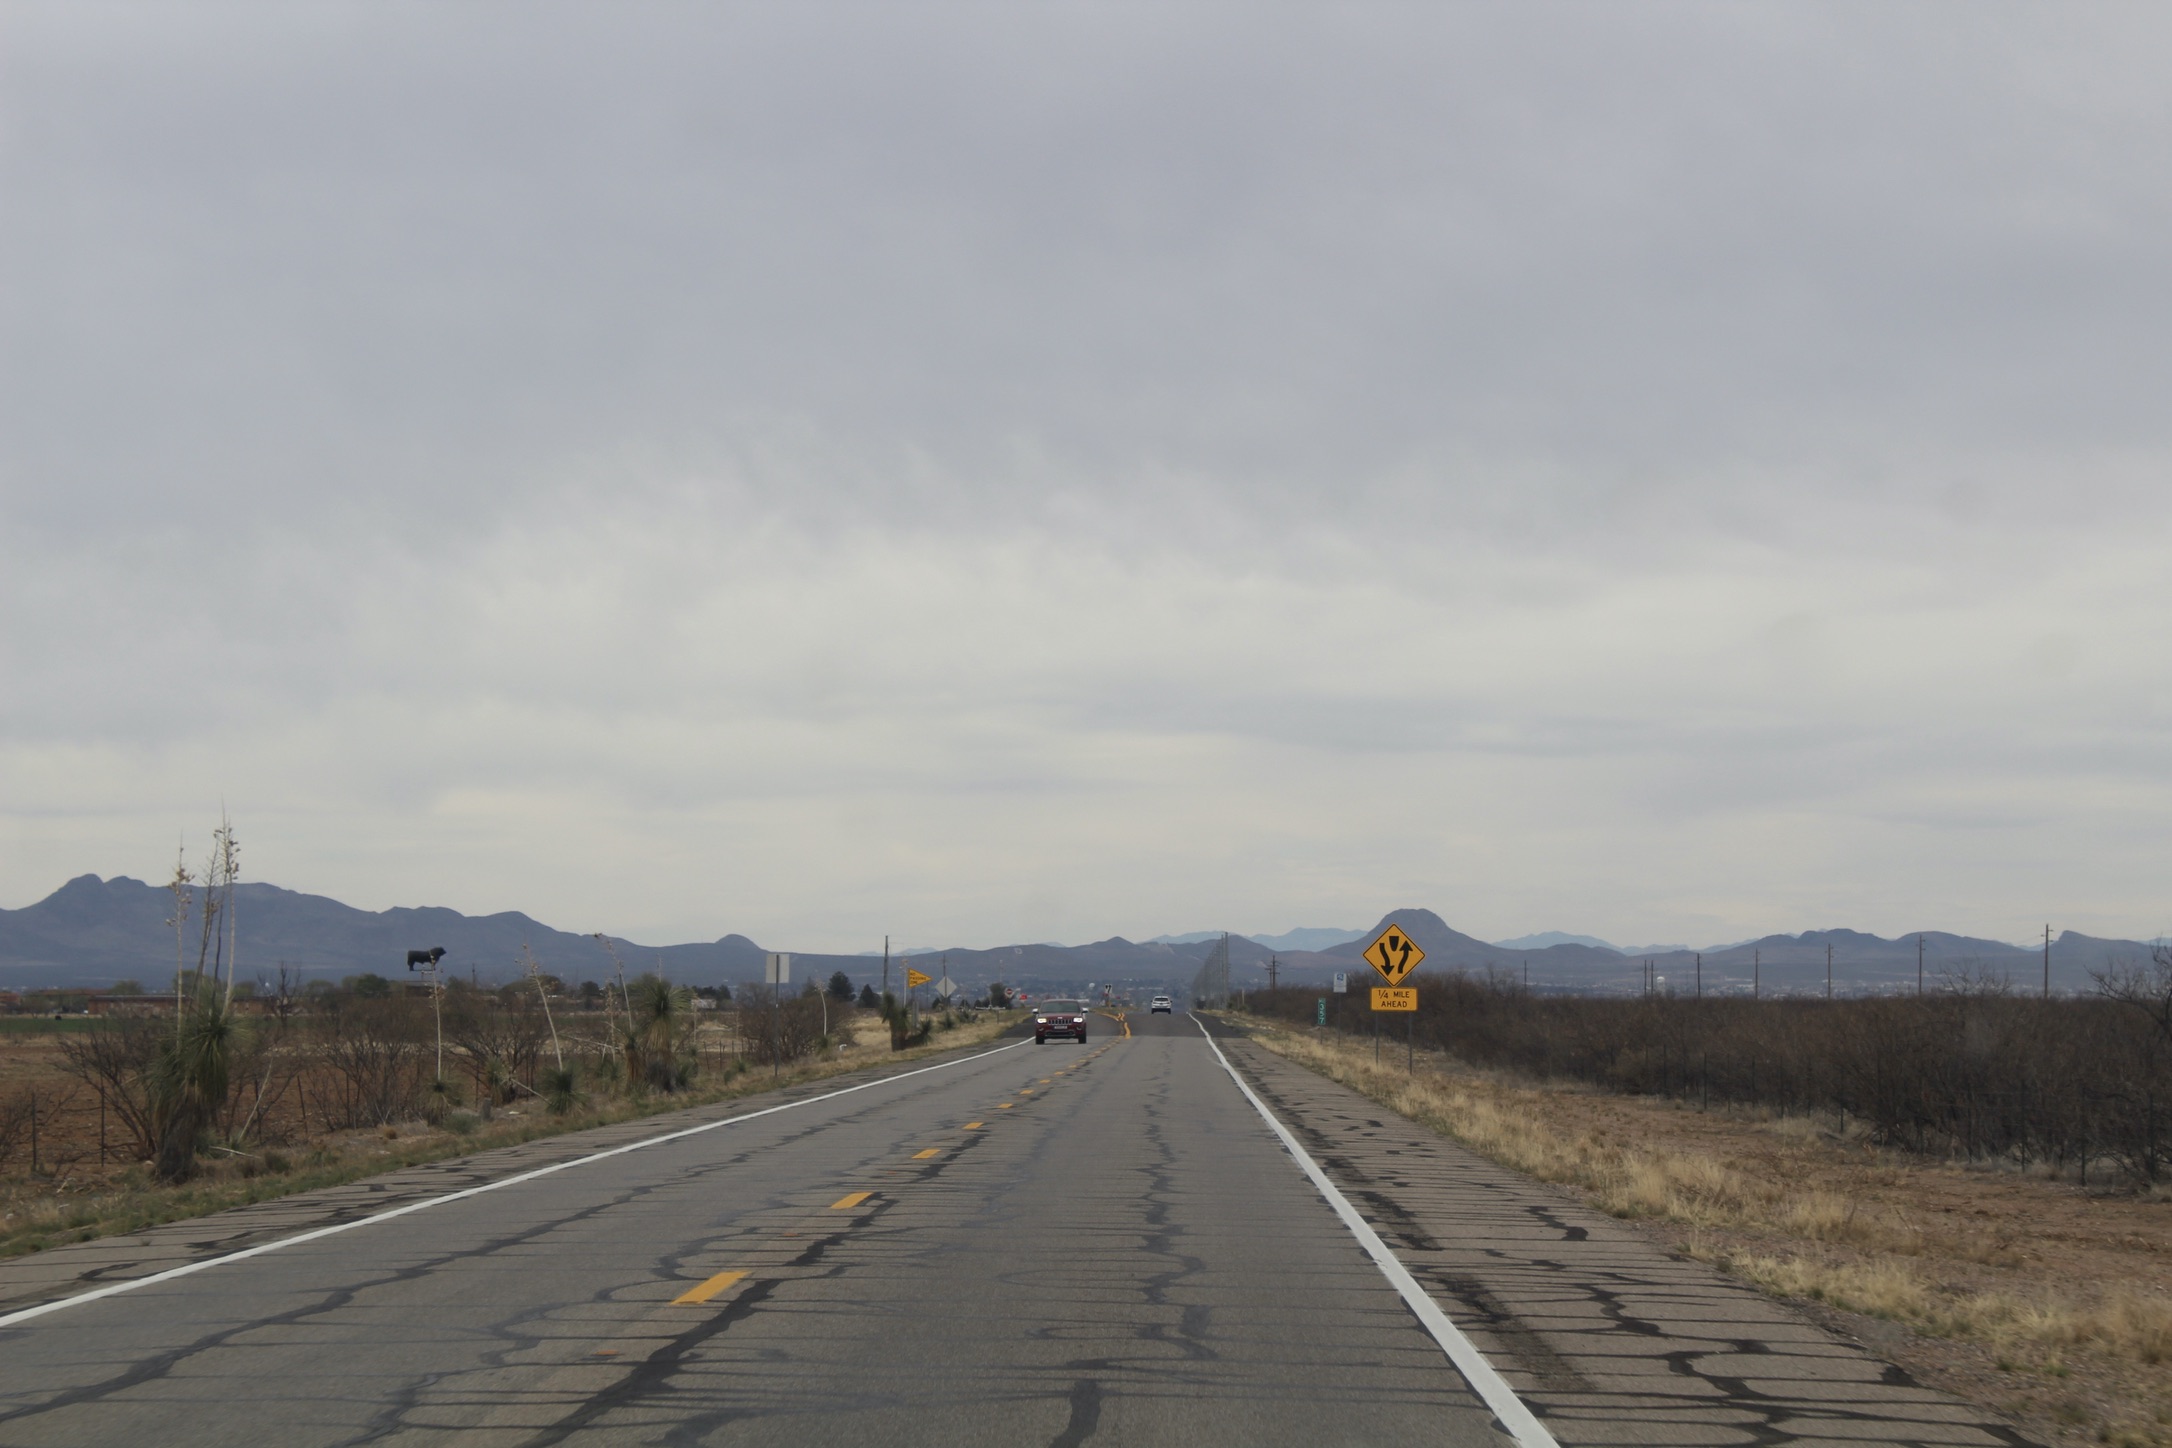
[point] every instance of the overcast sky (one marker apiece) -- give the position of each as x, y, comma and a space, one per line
1000, 472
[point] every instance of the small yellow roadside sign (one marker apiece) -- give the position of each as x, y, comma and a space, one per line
916, 977
1395, 997
1393, 954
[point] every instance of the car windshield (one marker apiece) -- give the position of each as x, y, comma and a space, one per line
1060, 1007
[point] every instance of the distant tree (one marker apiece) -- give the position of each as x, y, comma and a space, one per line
591, 994
723, 992
867, 998
999, 995
2148, 990
369, 985
840, 986
125, 987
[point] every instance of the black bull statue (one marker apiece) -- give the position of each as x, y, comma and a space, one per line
428, 957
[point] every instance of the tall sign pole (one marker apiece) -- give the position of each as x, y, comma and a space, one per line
779, 972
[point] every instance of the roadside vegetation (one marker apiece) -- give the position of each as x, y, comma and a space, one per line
216, 1091
1913, 1163
1969, 1070
342, 1083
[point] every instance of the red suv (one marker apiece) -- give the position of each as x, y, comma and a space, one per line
1059, 1018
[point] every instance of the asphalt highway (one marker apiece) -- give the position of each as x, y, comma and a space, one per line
1151, 1239
1053, 1244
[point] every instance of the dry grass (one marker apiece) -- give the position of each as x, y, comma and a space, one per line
2126, 1324
1493, 1117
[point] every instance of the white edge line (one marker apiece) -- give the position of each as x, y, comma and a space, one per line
1498, 1395
25, 1314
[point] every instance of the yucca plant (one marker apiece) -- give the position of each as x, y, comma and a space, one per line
658, 1037
562, 1089
189, 1079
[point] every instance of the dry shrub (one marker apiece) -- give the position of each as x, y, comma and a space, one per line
376, 1052
2081, 1085
795, 1030
16, 1109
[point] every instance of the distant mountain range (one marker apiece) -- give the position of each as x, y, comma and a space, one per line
1774, 964
1546, 938
1308, 937
92, 932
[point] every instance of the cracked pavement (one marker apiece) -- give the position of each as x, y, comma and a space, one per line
1056, 1244
1608, 1338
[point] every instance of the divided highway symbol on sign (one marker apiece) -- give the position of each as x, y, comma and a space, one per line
1393, 954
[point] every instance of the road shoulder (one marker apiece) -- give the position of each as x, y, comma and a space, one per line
1608, 1335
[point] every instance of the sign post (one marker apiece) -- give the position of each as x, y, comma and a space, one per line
778, 973
1395, 955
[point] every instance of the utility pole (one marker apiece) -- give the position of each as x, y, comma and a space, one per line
2047, 962
437, 1008
1757, 974
1273, 962
1919, 964
1700, 975
1828, 970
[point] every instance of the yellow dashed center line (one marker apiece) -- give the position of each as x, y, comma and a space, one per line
924, 1155
1003, 1106
850, 1200
973, 1125
708, 1289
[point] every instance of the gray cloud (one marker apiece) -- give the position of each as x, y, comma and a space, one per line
976, 472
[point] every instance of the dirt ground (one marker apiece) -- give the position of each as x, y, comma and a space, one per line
1971, 1232
2044, 1301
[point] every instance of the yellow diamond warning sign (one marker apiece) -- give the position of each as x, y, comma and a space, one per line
1395, 997
1393, 954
